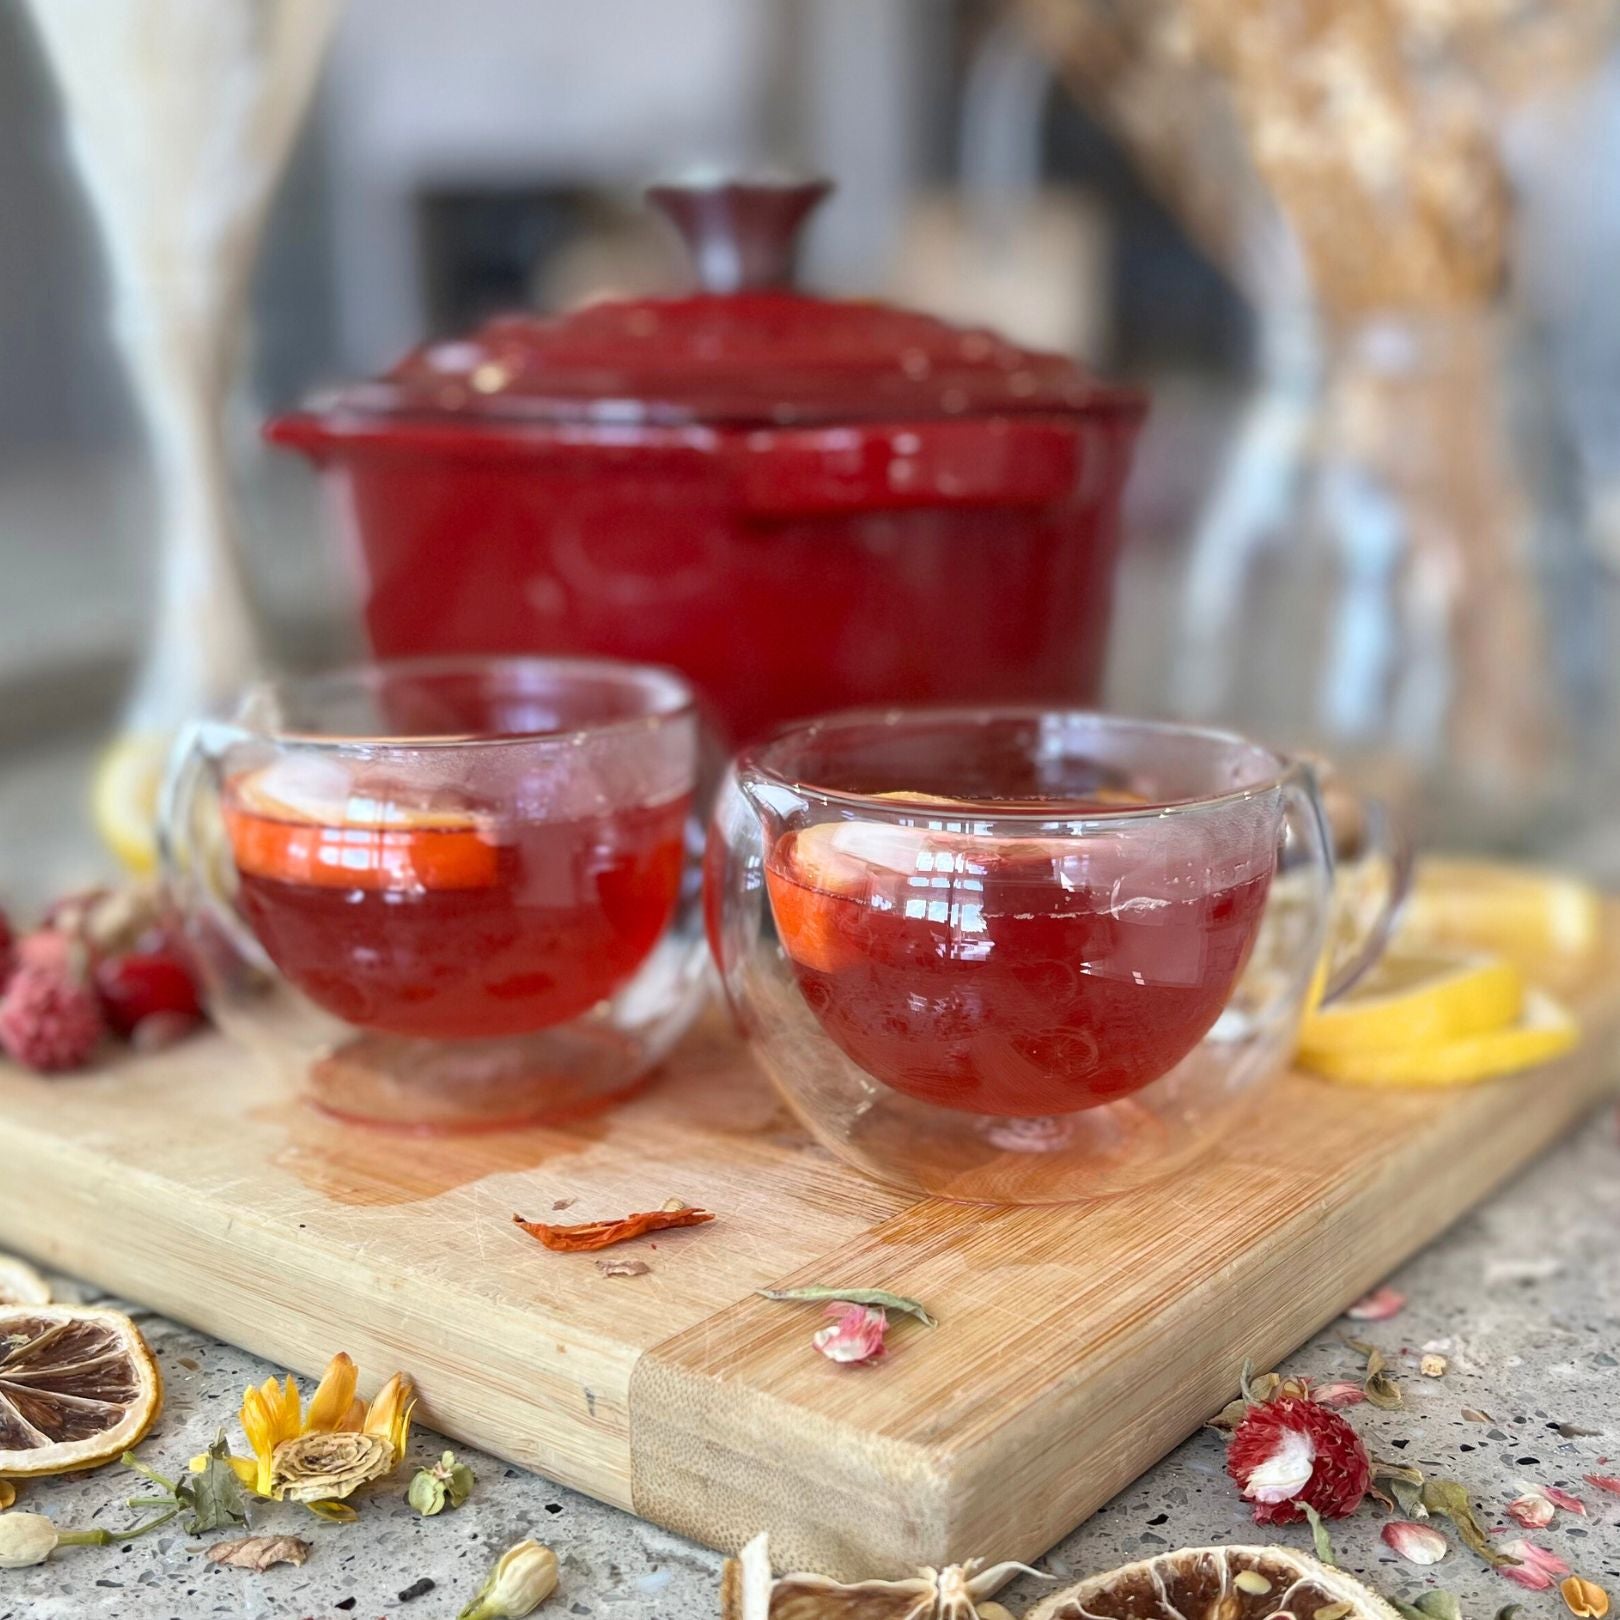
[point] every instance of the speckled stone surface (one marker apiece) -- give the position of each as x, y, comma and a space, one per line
1523, 1297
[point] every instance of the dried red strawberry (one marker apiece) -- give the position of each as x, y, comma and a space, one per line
50, 1021
1287, 1452
140, 985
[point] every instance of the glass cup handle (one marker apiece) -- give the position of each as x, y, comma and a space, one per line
192, 869
1364, 919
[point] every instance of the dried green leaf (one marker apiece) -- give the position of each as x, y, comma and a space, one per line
1409, 1497
427, 1494
1257, 1388
1382, 1468
1324, 1545
1450, 1500
1509, 1611
217, 1499
1332, 1611
1409, 1611
854, 1296
1229, 1416
1381, 1389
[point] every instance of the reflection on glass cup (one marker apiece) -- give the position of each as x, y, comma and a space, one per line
452, 893
1020, 956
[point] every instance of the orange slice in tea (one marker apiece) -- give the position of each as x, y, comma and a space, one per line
296, 823
78, 1387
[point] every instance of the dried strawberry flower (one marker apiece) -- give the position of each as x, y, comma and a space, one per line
855, 1336
1288, 1453
1537, 1568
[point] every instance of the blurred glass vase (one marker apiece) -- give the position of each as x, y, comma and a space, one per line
1398, 577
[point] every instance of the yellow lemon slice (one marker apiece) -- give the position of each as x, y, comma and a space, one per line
124, 798
78, 1387
1525, 914
1543, 1032
1416, 998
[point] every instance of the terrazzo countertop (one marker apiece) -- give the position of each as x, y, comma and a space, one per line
1522, 1297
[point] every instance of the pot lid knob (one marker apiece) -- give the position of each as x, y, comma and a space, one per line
741, 234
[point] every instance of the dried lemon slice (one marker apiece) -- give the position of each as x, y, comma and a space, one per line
20, 1284
1545, 1031
1221, 1583
1524, 914
1415, 998
78, 1387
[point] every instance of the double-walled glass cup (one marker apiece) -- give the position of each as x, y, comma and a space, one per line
450, 894
1024, 956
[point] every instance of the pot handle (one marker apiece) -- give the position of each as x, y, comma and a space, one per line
742, 235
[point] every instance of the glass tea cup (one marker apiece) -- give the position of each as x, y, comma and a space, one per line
454, 893
1026, 957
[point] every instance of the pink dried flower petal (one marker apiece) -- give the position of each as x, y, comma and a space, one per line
1558, 1498
1604, 1482
1536, 1569
1533, 1510
1378, 1306
1339, 1394
855, 1336
1416, 1543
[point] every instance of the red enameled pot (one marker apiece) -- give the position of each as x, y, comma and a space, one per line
802, 503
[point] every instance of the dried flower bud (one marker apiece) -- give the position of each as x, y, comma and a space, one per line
1416, 1543
524, 1577
1533, 1510
1433, 1365
313, 1467
26, 1538
446, 1481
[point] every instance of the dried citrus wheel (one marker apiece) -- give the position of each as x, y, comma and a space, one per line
1524, 914
1545, 1031
302, 824
78, 1387
1416, 997
1217, 1583
20, 1284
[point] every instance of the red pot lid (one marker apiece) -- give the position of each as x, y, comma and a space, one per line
745, 350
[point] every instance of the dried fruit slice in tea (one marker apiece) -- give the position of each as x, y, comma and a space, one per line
20, 1284
1218, 1583
78, 1387
297, 821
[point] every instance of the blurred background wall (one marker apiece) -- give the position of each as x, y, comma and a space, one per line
463, 158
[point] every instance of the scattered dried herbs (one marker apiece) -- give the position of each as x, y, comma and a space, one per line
212, 1498
604, 1234
1379, 1387
877, 1297
259, 1552
1324, 1543
1451, 1501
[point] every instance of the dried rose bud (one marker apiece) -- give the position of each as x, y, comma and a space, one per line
1416, 1543
521, 1581
26, 1538
1532, 1510
855, 1336
1378, 1306
317, 1467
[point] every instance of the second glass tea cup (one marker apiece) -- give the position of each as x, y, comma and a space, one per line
1025, 956
451, 893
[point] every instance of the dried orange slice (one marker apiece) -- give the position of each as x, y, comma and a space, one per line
78, 1387
1217, 1583
294, 826
20, 1284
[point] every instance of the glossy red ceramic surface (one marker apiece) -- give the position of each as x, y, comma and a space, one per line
801, 503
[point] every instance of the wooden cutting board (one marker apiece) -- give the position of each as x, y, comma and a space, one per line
1076, 1345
